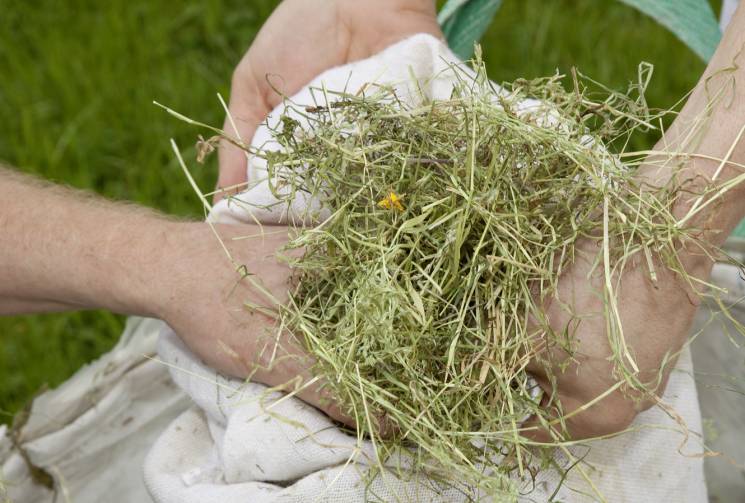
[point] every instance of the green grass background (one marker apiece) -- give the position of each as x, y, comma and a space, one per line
79, 77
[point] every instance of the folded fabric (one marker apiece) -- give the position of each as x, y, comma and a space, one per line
230, 448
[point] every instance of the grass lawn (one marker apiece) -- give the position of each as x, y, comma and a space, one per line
79, 77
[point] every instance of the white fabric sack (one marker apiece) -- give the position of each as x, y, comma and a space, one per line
226, 449
91, 434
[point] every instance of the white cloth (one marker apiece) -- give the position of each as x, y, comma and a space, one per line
226, 449
92, 433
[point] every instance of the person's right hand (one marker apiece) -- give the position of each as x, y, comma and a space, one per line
300, 40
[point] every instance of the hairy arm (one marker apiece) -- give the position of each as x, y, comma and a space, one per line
66, 249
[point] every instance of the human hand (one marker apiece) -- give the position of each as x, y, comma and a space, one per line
216, 307
301, 39
655, 319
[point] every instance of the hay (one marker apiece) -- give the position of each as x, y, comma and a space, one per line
447, 223
441, 229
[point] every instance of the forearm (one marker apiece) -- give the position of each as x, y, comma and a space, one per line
66, 249
708, 128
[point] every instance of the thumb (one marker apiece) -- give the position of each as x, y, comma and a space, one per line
246, 111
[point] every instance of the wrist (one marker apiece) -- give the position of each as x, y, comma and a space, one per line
156, 287
709, 194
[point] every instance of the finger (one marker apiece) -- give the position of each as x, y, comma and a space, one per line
246, 111
322, 397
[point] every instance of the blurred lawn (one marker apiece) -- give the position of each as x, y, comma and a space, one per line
78, 79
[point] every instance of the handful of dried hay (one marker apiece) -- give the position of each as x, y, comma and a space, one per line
446, 224
441, 228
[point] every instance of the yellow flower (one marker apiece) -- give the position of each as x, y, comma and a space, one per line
392, 200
